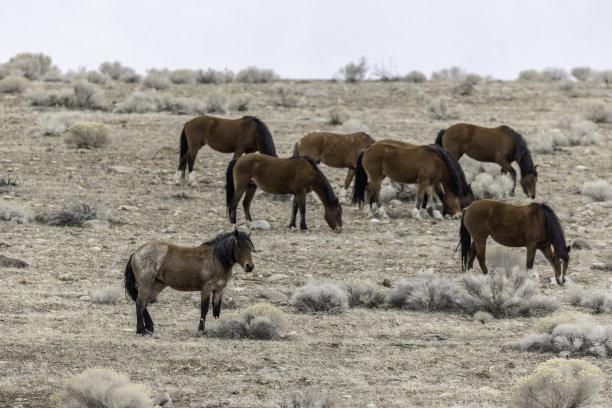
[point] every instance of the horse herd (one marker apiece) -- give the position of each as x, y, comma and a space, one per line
435, 169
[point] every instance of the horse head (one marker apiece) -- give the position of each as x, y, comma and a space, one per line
452, 204
333, 215
560, 271
528, 181
243, 247
467, 197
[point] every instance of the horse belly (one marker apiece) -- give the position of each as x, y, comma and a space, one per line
509, 238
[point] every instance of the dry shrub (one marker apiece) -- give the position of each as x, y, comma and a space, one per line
385, 73
55, 124
553, 75
71, 216
505, 259
90, 135
156, 81
559, 383
337, 116
599, 190
287, 98
13, 84
493, 186
96, 77
240, 102
31, 66
183, 76
598, 300
431, 293
88, 96
529, 75
140, 102
582, 73
598, 113
547, 324
483, 317
438, 109
254, 75
319, 298
506, 294
55, 75
108, 296
354, 72
261, 322
415, 77
42, 97
604, 77
116, 71
576, 132
101, 388
11, 211
211, 76
365, 295
215, 103
310, 399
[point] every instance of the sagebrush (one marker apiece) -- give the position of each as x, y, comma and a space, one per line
261, 322
319, 298
90, 135
72, 216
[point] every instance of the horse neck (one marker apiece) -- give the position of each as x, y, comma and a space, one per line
320, 190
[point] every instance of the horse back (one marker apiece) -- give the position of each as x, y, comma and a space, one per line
335, 149
478, 142
402, 163
223, 135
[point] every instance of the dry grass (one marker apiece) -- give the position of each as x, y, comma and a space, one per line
438, 109
254, 75
599, 190
92, 135
430, 293
13, 84
365, 295
319, 298
598, 300
108, 296
260, 322
12, 211
54, 124
157, 82
70, 216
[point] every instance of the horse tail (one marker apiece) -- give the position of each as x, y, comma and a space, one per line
131, 288
555, 232
361, 181
267, 144
465, 241
296, 149
183, 152
521, 152
439, 137
229, 184
459, 185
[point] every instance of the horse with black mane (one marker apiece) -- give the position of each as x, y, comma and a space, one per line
501, 145
296, 175
534, 226
432, 167
207, 268
239, 136
335, 150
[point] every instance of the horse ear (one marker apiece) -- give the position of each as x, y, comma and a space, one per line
236, 233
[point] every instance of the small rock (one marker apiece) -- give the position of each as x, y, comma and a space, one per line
275, 296
85, 298
601, 266
127, 208
162, 399
581, 244
122, 169
276, 276
510, 365
260, 225
387, 283
6, 262
564, 354
484, 374
96, 225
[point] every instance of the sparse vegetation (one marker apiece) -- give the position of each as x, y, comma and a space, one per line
90, 135
337, 116
598, 113
31, 66
431, 293
183, 76
529, 75
438, 109
13, 84
598, 300
211, 76
319, 298
54, 124
309, 399
354, 72
12, 211
552, 75
71, 216
101, 388
261, 321
599, 190
254, 75
215, 103
88, 96
559, 383
156, 81
286, 97
115, 70
365, 295
240, 102
582, 73
108, 296
96, 77
415, 77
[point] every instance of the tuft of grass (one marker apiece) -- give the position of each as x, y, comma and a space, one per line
55, 124
254, 75
310, 399
483, 317
354, 72
598, 113
156, 81
438, 109
13, 84
598, 300
72, 216
101, 388
240, 102
261, 322
559, 383
337, 116
599, 190
108, 296
319, 298
431, 293
11, 211
365, 295
90, 135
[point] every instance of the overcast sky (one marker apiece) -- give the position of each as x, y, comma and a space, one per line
313, 38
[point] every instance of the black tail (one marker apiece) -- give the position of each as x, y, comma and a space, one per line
183, 154
130, 281
229, 184
361, 181
555, 232
459, 185
439, 137
267, 144
465, 241
296, 149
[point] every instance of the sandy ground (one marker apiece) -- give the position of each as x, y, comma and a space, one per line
365, 358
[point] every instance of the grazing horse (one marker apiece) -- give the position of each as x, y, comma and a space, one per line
335, 150
432, 167
245, 135
206, 268
534, 226
296, 175
500, 145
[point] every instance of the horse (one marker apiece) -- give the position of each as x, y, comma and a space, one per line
207, 268
245, 135
534, 226
432, 167
335, 150
501, 145
295, 175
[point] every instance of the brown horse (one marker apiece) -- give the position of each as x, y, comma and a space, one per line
335, 150
534, 226
296, 175
432, 167
245, 135
500, 145
206, 268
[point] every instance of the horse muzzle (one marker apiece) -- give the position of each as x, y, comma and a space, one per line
248, 267
337, 230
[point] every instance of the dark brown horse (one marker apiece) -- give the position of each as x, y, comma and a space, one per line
500, 145
432, 167
207, 268
245, 135
296, 175
534, 226
335, 150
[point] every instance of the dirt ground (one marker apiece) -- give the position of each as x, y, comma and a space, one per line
49, 330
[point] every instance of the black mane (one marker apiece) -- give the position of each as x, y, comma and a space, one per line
554, 230
522, 155
459, 185
223, 247
329, 191
266, 137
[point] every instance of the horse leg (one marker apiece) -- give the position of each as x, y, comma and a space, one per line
507, 168
481, 249
248, 197
140, 320
419, 200
217, 297
294, 210
347, 182
301, 199
240, 188
155, 290
204, 302
471, 256
531, 252
192, 153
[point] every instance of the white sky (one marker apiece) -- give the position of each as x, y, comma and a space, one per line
313, 38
